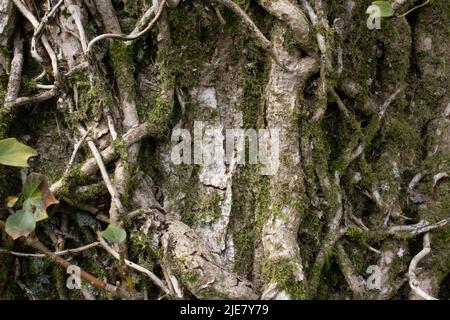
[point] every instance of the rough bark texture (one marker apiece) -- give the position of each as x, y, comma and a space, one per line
364, 155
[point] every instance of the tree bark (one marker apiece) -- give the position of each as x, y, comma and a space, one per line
358, 182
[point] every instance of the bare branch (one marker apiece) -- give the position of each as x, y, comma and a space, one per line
413, 9
27, 14
413, 282
112, 190
260, 37
130, 37
90, 166
15, 76
355, 282
58, 253
419, 228
37, 98
134, 266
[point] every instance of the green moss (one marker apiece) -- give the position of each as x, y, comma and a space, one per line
73, 179
39, 266
89, 193
122, 55
142, 249
242, 220
290, 44
199, 208
396, 38
162, 101
194, 33
209, 209
321, 151
319, 268
265, 203
400, 134
5, 117
120, 149
190, 278
358, 234
282, 272
358, 258
361, 48
244, 243
190, 184
149, 161
212, 293
250, 210
93, 98
254, 75
436, 17
27, 86
3, 86
158, 119
5, 53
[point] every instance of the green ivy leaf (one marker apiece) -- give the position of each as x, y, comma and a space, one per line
36, 206
37, 195
31, 187
385, 7
114, 234
20, 224
13, 153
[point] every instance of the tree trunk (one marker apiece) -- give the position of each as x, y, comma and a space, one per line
335, 186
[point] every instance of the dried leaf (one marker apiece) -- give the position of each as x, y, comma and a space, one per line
20, 224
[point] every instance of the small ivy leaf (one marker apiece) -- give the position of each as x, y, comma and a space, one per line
31, 186
11, 201
20, 224
13, 153
35, 206
38, 196
114, 234
385, 9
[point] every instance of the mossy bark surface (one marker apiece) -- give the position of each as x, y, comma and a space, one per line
364, 123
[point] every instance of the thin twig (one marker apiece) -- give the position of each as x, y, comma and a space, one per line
130, 37
22, 286
112, 190
27, 14
419, 228
388, 102
58, 253
34, 243
75, 150
413, 282
48, 16
263, 41
37, 98
15, 76
145, 20
133, 265
90, 166
413, 9
355, 282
